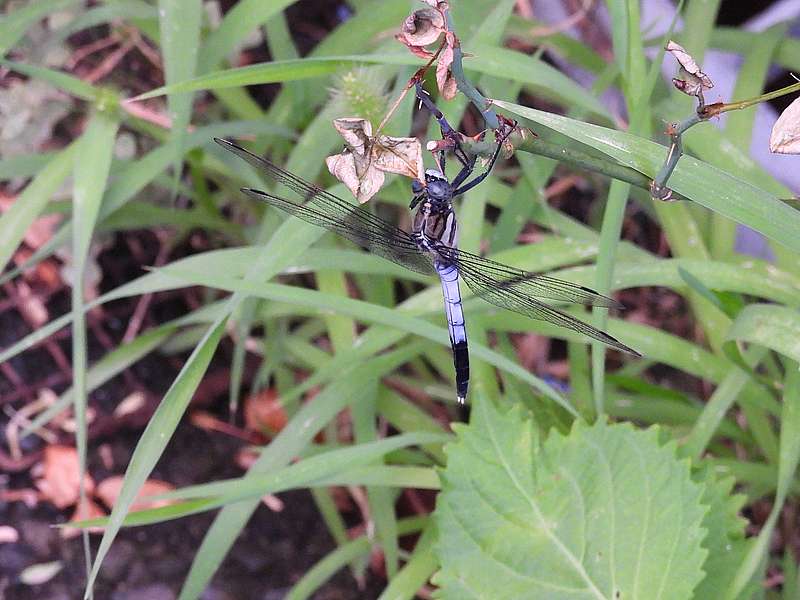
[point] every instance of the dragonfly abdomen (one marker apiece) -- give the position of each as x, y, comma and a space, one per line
448, 274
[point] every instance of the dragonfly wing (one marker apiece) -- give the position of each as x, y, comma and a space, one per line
491, 276
324, 209
360, 227
514, 289
512, 299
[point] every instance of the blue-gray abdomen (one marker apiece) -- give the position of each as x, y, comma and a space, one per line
454, 312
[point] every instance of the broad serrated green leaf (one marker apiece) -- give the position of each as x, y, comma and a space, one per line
606, 512
725, 541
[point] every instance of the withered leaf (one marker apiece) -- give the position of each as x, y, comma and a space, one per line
61, 476
444, 76
785, 137
421, 28
363, 162
691, 80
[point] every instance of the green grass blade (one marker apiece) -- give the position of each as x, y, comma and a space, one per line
155, 437
237, 24
14, 25
416, 572
365, 312
59, 80
297, 434
701, 182
787, 466
768, 325
31, 202
92, 165
342, 556
179, 23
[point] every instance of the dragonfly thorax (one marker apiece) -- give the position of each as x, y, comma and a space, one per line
438, 189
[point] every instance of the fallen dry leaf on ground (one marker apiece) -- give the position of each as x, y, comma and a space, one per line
264, 412
60, 480
108, 491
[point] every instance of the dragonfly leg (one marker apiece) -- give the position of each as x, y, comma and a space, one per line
448, 133
471, 184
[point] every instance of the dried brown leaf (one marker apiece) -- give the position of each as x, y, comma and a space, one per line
691, 81
363, 162
264, 412
444, 76
60, 476
90, 510
422, 28
108, 491
785, 137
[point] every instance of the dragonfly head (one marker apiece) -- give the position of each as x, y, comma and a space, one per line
439, 189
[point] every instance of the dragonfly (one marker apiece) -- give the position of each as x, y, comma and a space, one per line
431, 248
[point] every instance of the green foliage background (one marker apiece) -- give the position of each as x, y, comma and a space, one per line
525, 507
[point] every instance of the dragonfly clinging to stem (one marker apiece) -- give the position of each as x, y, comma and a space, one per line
432, 248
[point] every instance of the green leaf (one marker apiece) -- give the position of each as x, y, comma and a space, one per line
725, 542
63, 81
31, 202
14, 25
769, 325
179, 23
701, 182
239, 21
605, 512
155, 437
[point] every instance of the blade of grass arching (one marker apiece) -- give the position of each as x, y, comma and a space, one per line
331, 517
130, 181
787, 466
775, 327
606, 257
239, 22
179, 24
536, 75
406, 416
101, 15
31, 202
58, 79
380, 500
750, 81
364, 312
416, 572
93, 154
339, 558
699, 181
354, 464
14, 24
717, 406
300, 430
158, 432
24, 165
107, 367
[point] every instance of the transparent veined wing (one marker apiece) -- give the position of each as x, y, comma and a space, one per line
514, 290
492, 275
324, 209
